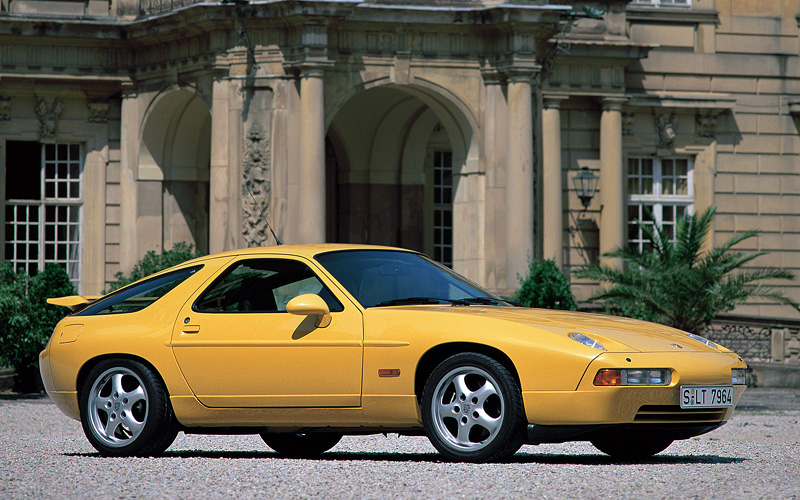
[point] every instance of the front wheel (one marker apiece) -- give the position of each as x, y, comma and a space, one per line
472, 409
301, 445
125, 410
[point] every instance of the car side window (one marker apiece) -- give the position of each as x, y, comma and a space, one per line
262, 285
137, 297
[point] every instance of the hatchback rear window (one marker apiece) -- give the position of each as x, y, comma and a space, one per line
137, 297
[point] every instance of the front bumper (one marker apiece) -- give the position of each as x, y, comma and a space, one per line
539, 434
590, 405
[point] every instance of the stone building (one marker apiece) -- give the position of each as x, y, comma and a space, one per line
451, 127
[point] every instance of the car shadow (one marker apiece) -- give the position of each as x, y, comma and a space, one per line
520, 458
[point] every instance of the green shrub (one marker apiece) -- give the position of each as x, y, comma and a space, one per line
546, 287
153, 262
680, 283
26, 319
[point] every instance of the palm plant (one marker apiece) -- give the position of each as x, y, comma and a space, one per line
677, 283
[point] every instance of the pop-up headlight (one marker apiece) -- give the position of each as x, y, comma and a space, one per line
587, 341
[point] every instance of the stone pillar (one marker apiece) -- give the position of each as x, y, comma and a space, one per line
311, 188
219, 178
519, 177
129, 153
552, 190
612, 178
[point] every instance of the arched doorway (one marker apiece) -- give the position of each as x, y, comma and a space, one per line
174, 160
398, 163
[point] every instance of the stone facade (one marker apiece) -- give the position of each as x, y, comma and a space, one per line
199, 121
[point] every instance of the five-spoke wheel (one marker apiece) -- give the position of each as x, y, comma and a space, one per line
125, 410
472, 409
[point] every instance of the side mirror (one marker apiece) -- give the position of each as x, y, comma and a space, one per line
310, 304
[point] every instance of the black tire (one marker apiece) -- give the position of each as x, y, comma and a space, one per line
125, 410
632, 446
472, 409
301, 445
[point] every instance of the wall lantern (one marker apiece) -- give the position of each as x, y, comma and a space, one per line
585, 183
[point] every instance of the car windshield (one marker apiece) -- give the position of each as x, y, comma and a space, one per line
379, 278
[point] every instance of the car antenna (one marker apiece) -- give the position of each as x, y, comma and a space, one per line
263, 215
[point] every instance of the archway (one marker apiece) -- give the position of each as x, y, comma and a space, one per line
399, 165
174, 160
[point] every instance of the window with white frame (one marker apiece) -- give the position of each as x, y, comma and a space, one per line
660, 191
43, 206
443, 207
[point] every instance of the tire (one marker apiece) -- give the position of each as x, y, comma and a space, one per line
301, 445
472, 409
631, 446
125, 410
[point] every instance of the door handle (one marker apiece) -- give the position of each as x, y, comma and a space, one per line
191, 329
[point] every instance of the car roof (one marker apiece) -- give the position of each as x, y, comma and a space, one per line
308, 251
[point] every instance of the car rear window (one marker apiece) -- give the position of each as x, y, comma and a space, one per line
137, 297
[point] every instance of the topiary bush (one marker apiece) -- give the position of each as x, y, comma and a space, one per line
546, 287
26, 319
153, 262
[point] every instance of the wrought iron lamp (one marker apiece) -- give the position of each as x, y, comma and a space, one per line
585, 183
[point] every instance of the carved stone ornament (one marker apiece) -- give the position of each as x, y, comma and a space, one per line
5, 108
706, 124
627, 123
98, 110
256, 187
48, 114
667, 126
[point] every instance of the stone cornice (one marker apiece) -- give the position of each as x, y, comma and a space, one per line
671, 15
691, 100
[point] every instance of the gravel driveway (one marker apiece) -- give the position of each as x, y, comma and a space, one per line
44, 454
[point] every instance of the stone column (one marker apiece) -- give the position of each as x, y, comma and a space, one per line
519, 177
130, 132
552, 192
219, 179
311, 188
612, 178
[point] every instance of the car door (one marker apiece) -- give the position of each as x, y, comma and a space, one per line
238, 347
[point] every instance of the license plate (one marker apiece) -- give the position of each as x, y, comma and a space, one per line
706, 396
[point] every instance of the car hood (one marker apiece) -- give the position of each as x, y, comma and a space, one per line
617, 334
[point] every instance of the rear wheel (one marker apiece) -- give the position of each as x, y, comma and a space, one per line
301, 445
631, 446
125, 410
472, 409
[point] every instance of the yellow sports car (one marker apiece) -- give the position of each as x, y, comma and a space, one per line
303, 344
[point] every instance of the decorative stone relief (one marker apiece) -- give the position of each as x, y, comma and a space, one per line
706, 124
627, 123
48, 114
5, 108
256, 187
667, 126
98, 110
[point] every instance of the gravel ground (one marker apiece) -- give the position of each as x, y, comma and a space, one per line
44, 454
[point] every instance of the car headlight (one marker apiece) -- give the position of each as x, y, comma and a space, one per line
639, 376
587, 341
702, 339
738, 376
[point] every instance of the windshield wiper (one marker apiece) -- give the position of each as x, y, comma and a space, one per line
420, 300
483, 300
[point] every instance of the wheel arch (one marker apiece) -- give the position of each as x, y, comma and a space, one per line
89, 365
435, 355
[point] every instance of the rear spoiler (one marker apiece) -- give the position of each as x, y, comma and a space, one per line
73, 302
